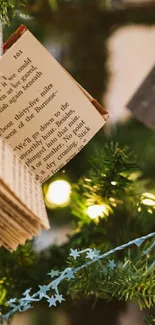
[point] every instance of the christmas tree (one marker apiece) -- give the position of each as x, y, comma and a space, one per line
109, 204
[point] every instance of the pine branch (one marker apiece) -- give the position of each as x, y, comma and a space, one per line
131, 279
7, 8
150, 318
127, 281
108, 182
114, 181
25, 268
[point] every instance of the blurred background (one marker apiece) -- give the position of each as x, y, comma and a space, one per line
108, 46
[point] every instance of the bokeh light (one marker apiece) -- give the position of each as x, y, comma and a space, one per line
148, 199
95, 211
58, 193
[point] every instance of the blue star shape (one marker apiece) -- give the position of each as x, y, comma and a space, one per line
27, 292
112, 265
91, 254
53, 273
11, 302
52, 301
139, 242
59, 298
97, 252
27, 296
74, 253
70, 274
42, 291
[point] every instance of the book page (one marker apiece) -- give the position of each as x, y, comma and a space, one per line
142, 102
44, 116
19, 180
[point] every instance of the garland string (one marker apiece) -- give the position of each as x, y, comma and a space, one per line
93, 255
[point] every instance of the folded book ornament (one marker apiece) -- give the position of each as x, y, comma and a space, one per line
46, 118
142, 103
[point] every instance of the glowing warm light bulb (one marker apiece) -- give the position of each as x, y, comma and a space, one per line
150, 211
95, 211
113, 183
148, 199
58, 193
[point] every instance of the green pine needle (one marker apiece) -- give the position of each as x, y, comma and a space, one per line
106, 183
7, 8
128, 282
131, 279
150, 318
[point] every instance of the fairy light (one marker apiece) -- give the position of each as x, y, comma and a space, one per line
148, 199
113, 183
58, 193
95, 211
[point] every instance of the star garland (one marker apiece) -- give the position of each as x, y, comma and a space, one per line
91, 256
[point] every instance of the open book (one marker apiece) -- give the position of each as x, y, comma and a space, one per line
46, 118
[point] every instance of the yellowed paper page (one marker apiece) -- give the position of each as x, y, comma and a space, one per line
44, 115
22, 183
